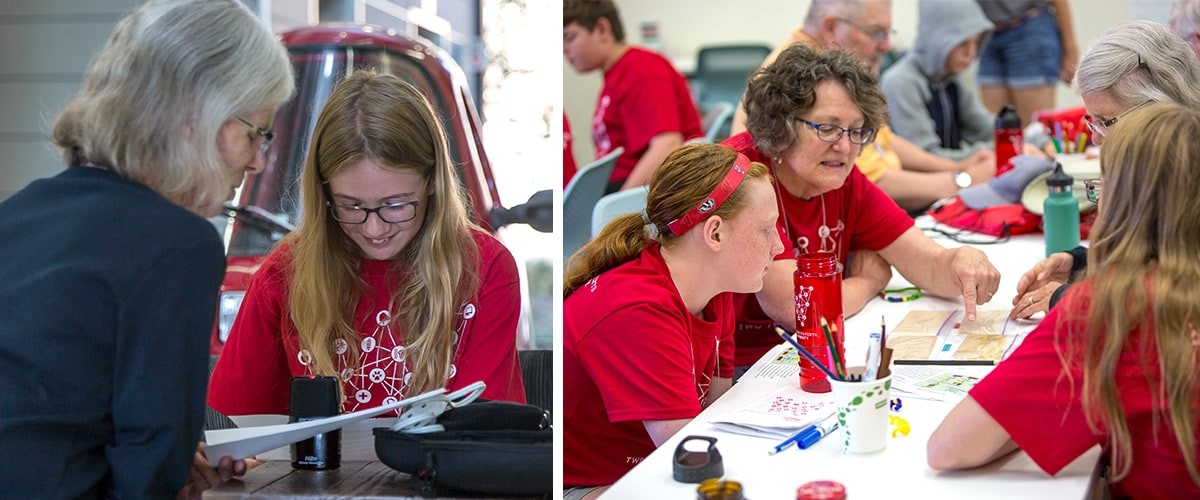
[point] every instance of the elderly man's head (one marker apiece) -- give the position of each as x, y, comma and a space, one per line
861, 27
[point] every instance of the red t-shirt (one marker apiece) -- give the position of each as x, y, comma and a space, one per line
569, 167
633, 352
1031, 398
263, 353
858, 215
643, 96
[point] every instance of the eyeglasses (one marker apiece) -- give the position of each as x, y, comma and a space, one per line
265, 133
1099, 128
831, 133
878, 34
391, 213
1093, 187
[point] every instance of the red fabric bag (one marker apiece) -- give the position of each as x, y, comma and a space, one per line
997, 220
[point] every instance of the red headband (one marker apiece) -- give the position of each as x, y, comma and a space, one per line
714, 199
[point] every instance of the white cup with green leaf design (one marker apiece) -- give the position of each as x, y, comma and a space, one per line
862, 412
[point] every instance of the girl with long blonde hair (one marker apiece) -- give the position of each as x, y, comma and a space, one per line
385, 284
1115, 363
648, 317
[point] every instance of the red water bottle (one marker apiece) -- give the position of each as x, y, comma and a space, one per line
1009, 140
818, 282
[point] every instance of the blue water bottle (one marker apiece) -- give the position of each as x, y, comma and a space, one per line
1061, 219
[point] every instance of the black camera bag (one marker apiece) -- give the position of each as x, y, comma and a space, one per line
490, 447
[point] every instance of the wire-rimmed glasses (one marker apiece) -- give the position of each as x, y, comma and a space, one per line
266, 134
877, 33
831, 133
391, 213
1099, 128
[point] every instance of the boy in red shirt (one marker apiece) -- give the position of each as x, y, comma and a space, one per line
645, 105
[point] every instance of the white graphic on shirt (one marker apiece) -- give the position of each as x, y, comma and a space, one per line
704, 379
382, 374
829, 235
599, 131
382, 364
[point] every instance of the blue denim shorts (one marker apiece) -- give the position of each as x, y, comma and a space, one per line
1026, 56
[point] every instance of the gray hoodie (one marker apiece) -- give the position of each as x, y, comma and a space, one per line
928, 106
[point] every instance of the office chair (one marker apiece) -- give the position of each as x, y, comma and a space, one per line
579, 198
717, 121
214, 419
537, 373
618, 203
721, 72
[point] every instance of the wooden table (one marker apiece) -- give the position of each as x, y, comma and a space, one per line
277, 479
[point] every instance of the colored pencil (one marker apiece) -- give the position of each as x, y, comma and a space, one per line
833, 349
786, 335
885, 363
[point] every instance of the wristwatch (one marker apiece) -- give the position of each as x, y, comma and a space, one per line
962, 179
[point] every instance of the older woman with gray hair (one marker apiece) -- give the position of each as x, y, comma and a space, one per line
1131, 65
109, 272
810, 114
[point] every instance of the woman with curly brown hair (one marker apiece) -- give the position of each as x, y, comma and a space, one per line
809, 115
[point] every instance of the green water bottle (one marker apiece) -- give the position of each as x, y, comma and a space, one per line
1061, 219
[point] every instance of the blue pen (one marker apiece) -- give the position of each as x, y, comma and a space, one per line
800, 434
791, 439
815, 434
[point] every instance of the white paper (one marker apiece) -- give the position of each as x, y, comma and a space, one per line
258, 420
357, 441
781, 362
779, 415
248, 442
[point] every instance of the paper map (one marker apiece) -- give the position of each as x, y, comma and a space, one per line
943, 335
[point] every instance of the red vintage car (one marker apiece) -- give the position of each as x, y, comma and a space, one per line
321, 55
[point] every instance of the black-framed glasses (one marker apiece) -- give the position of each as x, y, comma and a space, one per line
831, 133
876, 33
391, 213
1099, 128
1093, 187
266, 134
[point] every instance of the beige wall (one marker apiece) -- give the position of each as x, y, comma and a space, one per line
687, 25
44, 48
